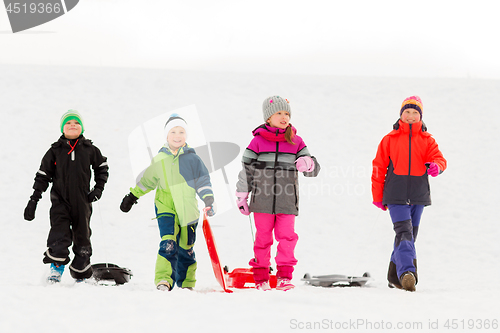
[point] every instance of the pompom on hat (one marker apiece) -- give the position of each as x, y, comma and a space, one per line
71, 114
173, 121
412, 102
274, 104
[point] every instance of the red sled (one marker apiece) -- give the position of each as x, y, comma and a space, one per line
240, 277
214, 255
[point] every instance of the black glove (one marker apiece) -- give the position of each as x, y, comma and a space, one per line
128, 201
95, 195
29, 211
209, 202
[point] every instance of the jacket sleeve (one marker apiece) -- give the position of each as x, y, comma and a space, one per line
46, 171
303, 151
100, 167
316, 170
148, 181
379, 171
435, 155
245, 177
201, 180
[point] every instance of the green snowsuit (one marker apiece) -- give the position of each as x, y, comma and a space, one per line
177, 180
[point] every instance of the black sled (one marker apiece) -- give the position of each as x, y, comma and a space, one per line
109, 273
337, 280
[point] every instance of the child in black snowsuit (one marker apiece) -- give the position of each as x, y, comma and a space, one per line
67, 165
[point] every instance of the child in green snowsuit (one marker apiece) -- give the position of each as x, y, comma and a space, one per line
178, 175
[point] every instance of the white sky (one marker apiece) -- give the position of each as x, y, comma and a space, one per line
363, 38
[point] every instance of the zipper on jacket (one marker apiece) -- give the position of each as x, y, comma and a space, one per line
409, 168
296, 197
275, 164
72, 151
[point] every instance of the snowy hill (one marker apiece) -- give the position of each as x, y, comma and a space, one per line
341, 119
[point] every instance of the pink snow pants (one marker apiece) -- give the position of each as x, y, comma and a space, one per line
283, 225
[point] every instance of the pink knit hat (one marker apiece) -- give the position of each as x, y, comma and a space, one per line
413, 102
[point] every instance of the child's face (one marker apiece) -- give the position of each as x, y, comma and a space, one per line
410, 116
176, 137
280, 119
72, 129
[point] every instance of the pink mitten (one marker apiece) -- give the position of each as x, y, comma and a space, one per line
304, 164
241, 202
380, 205
433, 169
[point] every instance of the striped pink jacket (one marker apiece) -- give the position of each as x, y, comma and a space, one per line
269, 171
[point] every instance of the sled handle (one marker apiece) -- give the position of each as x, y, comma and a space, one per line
205, 210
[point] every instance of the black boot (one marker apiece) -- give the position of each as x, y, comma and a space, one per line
392, 277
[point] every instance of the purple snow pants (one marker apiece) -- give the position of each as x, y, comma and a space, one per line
406, 220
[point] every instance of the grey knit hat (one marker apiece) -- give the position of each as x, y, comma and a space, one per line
274, 104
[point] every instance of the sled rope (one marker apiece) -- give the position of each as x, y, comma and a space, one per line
251, 228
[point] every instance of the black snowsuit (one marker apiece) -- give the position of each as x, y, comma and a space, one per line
67, 165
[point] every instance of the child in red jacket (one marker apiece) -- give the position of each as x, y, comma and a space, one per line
405, 158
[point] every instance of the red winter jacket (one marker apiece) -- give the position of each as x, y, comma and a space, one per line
399, 171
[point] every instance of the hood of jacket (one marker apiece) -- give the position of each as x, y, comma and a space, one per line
405, 128
71, 142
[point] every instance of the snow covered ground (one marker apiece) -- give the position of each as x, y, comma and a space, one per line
341, 119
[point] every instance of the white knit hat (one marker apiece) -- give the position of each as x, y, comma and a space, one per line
174, 121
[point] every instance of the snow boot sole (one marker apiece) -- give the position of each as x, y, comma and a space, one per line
262, 286
284, 284
163, 286
53, 279
408, 281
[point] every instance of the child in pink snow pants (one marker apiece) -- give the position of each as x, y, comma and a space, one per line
271, 163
